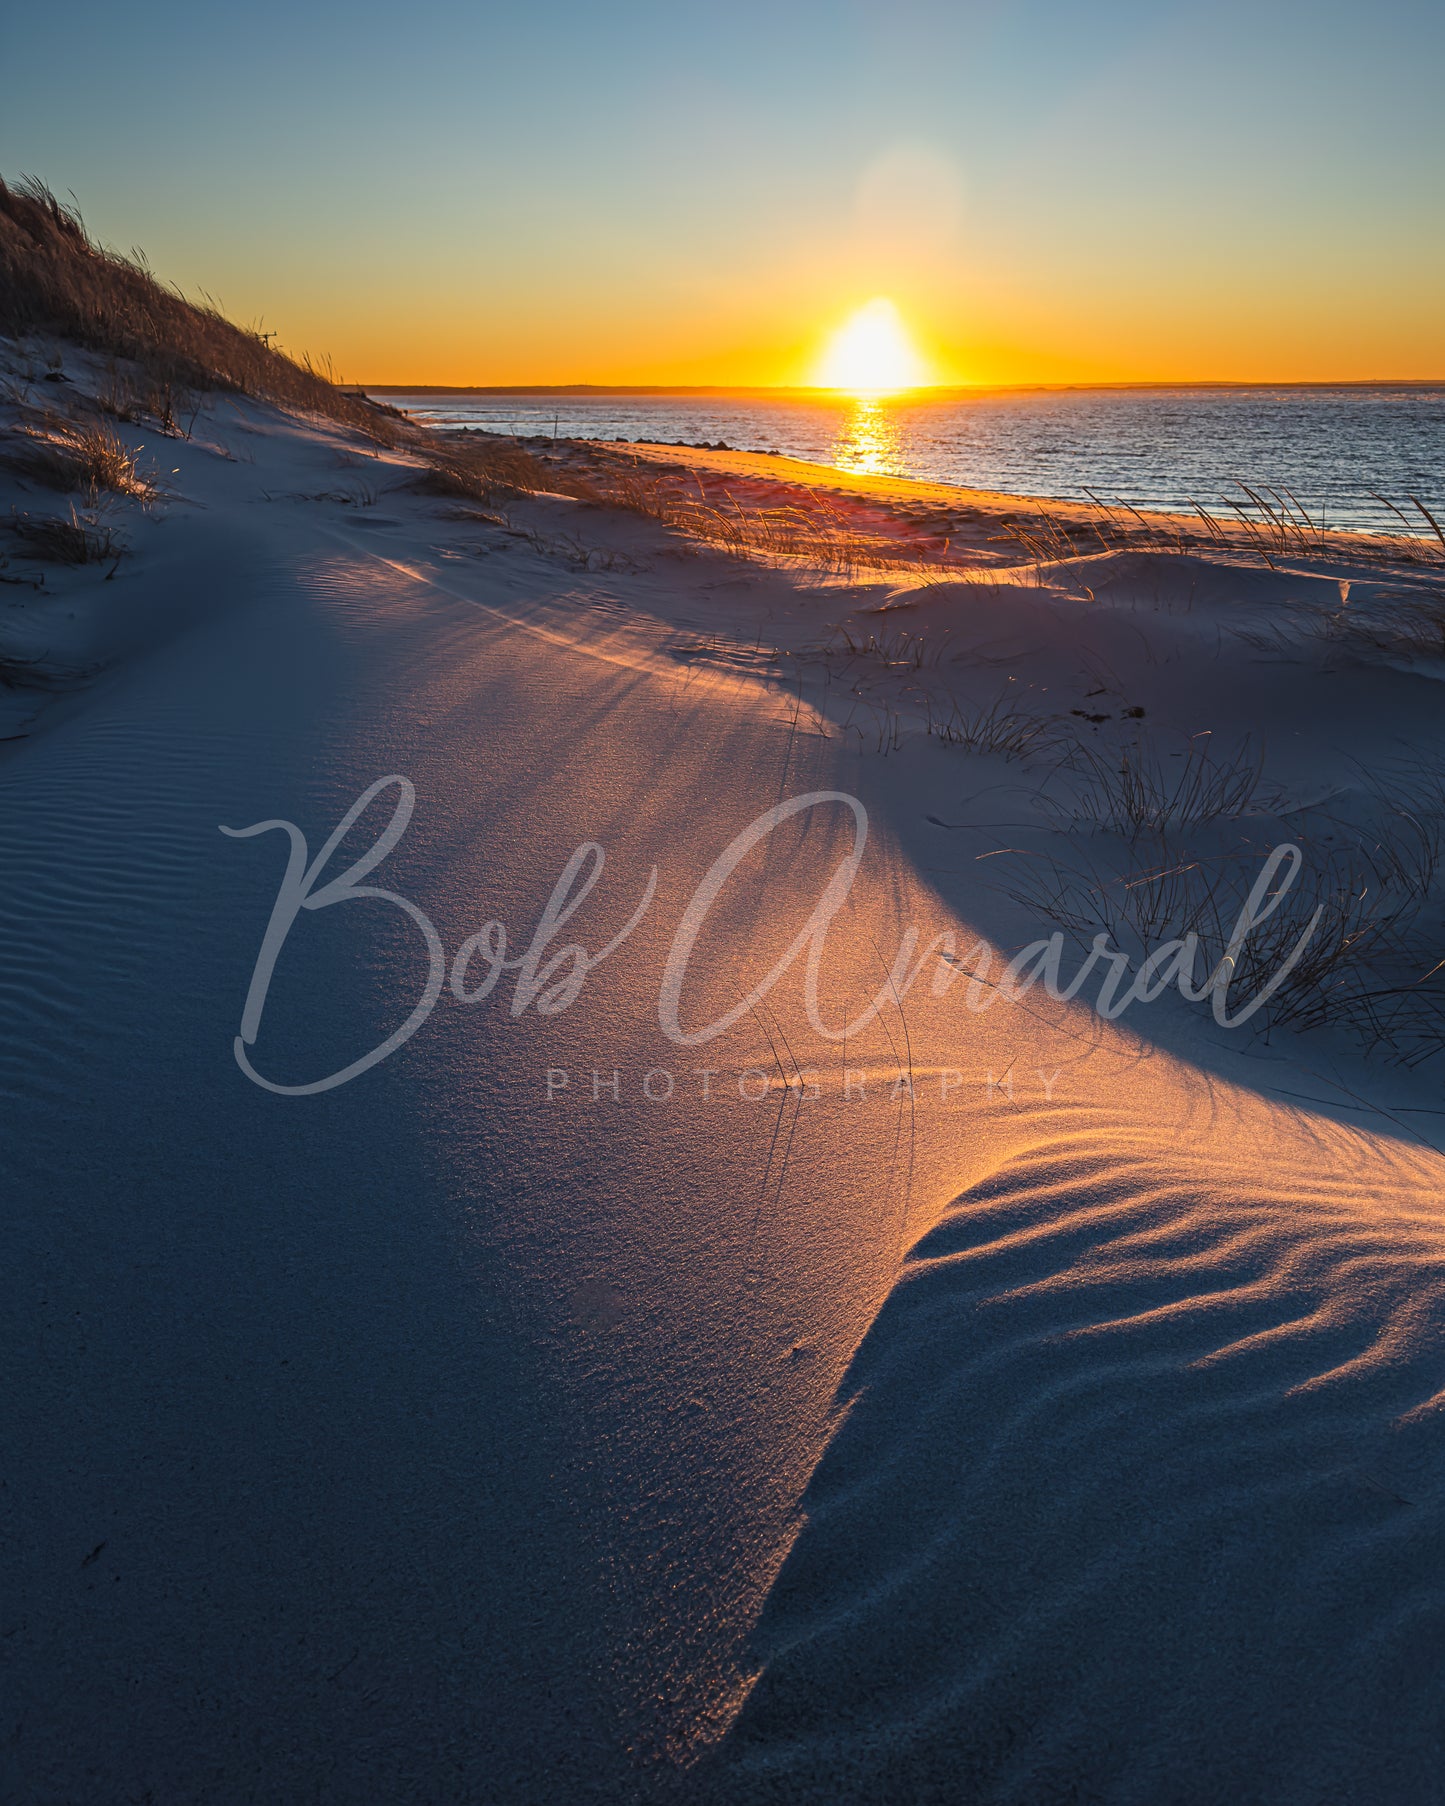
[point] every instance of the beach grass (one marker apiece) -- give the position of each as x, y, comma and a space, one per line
62, 538
55, 278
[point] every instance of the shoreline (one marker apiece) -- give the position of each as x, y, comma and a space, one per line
1179, 494
1128, 527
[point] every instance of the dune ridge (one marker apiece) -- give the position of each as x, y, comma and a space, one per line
1068, 1431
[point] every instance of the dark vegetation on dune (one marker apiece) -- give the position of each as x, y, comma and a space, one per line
57, 281
166, 353
54, 278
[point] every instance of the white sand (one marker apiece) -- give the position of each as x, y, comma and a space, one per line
426, 1439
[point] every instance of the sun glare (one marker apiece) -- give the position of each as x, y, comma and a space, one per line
872, 354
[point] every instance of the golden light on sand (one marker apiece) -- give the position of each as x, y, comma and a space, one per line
872, 354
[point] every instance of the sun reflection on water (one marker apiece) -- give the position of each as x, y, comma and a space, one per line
869, 440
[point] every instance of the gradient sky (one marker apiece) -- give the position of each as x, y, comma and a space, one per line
676, 192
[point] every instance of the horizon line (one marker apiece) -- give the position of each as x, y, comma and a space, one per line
917, 390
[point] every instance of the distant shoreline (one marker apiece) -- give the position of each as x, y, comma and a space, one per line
941, 392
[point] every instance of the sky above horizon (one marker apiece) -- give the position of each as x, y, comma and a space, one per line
654, 193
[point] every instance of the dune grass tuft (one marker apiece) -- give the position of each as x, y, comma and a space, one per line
1157, 860
75, 456
55, 278
62, 539
1138, 790
165, 405
476, 469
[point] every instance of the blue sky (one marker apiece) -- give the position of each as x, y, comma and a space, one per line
665, 192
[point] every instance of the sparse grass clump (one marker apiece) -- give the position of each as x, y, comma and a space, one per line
485, 471
104, 462
898, 651
1351, 933
62, 539
998, 727
75, 456
162, 404
810, 533
1408, 626
1258, 522
1136, 790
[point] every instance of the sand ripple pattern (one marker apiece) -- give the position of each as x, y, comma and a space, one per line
1140, 1498
86, 860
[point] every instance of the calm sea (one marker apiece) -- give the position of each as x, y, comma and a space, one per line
1334, 450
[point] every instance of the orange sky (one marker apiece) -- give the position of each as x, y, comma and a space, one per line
1132, 191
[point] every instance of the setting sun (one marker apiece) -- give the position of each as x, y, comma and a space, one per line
872, 354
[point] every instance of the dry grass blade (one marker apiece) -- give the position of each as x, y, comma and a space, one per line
1000, 728
1434, 524
1135, 791
897, 651
62, 539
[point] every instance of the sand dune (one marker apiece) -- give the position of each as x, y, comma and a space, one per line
1002, 1404
1137, 1496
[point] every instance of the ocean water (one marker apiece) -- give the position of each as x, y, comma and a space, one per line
1336, 451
